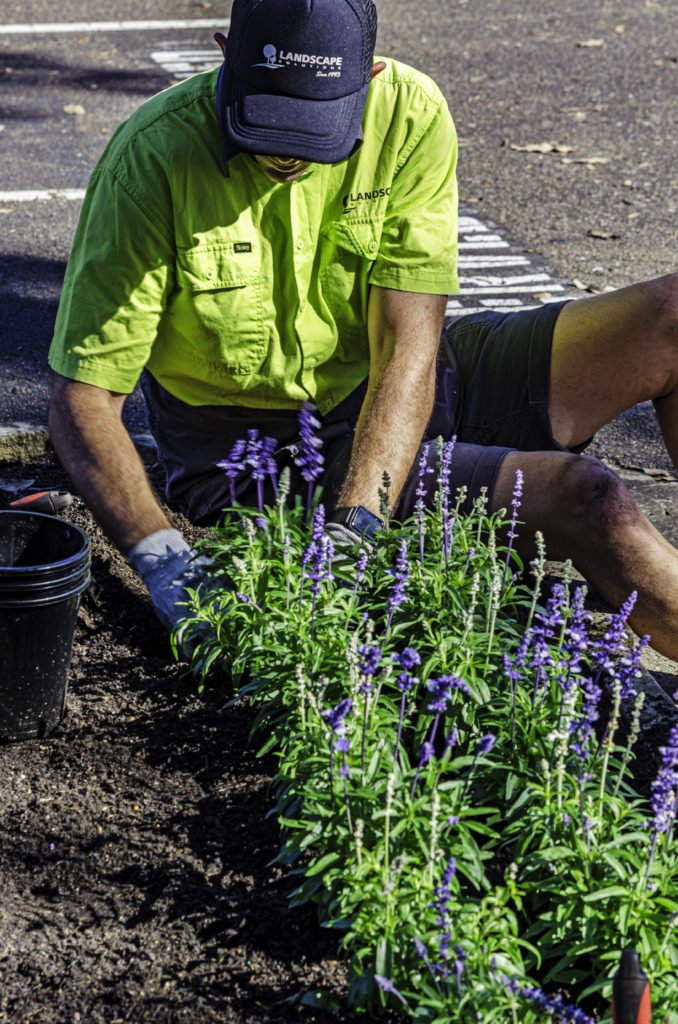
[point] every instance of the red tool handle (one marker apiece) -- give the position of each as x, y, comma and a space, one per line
43, 501
631, 1003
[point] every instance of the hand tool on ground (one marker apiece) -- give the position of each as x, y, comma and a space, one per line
50, 502
631, 992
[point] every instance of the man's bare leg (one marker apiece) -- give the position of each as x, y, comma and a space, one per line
609, 353
587, 515
612, 351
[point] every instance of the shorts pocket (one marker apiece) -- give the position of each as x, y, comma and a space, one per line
221, 288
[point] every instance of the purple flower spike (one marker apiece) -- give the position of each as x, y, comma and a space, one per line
370, 659
335, 718
485, 744
386, 985
309, 458
425, 754
442, 690
409, 659
554, 1005
401, 578
233, 465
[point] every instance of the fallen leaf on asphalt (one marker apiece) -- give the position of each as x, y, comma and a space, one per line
543, 147
592, 233
74, 108
581, 286
590, 43
590, 160
2, 127
620, 29
543, 296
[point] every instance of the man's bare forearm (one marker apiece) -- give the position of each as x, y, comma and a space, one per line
99, 456
404, 337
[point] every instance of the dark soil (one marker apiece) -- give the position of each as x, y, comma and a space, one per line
135, 848
134, 845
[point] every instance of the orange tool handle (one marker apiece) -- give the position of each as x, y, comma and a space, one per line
631, 1002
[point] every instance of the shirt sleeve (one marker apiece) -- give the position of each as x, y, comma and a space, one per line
119, 277
418, 249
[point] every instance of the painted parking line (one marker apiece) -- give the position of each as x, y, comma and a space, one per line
54, 27
184, 61
33, 195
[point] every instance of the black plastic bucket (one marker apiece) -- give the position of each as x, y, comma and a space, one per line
44, 568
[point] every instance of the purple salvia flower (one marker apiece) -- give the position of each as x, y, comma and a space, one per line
453, 819
260, 458
386, 985
422, 953
442, 898
665, 786
423, 470
361, 566
405, 682
442, 689
444, 484
370, 659
629, 669
409, 659
576, 640
401, 577
459, 963
554, 1005
425, 754
516, 500
581, 728
606, 654
485, 744
309, 458
452, 739
336, 719
233, 465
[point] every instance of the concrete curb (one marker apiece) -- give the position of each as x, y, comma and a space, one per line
22, 440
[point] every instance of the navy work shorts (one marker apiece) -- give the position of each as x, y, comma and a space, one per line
492, 392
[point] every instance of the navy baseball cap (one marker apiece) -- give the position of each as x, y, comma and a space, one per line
296, 77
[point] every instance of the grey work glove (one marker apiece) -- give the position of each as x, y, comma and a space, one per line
168, 567
350, 548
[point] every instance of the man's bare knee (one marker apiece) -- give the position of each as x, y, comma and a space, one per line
595, 502
662, 294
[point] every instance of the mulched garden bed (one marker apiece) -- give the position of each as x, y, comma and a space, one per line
134, 843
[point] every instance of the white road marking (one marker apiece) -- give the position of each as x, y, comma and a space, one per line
31, 195
181, 63
51, 28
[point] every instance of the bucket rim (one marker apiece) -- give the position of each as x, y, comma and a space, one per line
8, 571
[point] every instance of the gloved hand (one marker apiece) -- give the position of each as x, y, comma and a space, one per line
351, 530
347, 542
168, 566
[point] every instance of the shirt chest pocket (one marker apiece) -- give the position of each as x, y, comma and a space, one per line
220, 301
348, 251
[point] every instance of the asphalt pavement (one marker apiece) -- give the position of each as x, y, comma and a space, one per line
566, 114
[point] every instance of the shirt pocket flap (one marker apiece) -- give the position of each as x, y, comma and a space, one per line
361, 238
227, 265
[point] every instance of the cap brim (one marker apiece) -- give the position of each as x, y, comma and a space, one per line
321, 131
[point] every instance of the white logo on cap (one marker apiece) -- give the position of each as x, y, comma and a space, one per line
325, 67
270, 54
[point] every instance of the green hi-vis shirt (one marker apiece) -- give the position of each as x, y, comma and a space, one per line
235, 290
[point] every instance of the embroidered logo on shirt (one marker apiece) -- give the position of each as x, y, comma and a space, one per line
351, 201
242, 247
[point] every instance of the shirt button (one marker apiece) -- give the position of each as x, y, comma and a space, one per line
300, 244
311, 363
373, 246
